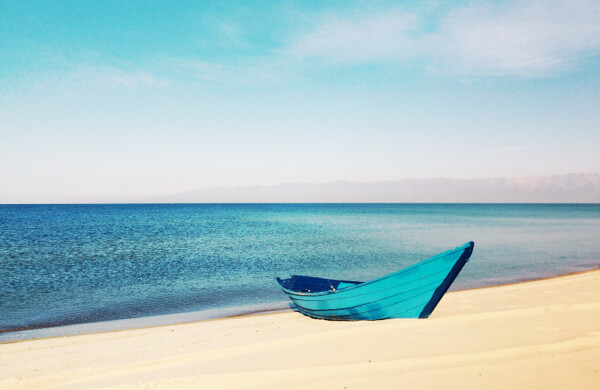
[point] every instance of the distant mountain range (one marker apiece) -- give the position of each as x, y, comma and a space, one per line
571, 188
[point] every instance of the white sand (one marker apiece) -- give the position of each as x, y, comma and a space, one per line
536, 335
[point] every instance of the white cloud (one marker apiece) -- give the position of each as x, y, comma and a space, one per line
516, 38
253, 71
513, 38
85, 77
366, 39
111, 77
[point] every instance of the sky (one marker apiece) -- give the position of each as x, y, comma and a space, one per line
113, 100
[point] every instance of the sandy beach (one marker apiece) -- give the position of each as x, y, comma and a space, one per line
537, 335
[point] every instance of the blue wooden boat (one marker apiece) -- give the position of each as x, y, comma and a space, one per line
412, 292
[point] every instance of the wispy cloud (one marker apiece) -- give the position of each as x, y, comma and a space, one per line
77, 77
513, 38
360, 39
251, 72
517, 38
113, 77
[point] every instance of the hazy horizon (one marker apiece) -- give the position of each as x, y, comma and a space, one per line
570, 188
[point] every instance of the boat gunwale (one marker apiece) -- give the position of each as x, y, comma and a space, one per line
338, 297
463, 247
425, 292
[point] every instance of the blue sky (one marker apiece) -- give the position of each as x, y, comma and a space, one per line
114, 100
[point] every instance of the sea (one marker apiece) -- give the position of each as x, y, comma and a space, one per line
69, 269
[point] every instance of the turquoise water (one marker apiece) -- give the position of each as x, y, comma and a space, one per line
89, 264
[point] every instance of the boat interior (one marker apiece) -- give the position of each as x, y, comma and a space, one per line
309, 284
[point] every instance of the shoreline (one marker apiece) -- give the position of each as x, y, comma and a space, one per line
135, 319
531, 280
541, 334
250, 313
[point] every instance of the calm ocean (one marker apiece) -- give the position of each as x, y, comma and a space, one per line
89, 265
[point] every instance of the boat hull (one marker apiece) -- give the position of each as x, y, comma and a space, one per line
412, 292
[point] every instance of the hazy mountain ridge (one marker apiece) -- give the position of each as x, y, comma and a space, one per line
570, 188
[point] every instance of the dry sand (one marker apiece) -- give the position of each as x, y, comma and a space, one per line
536, 335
